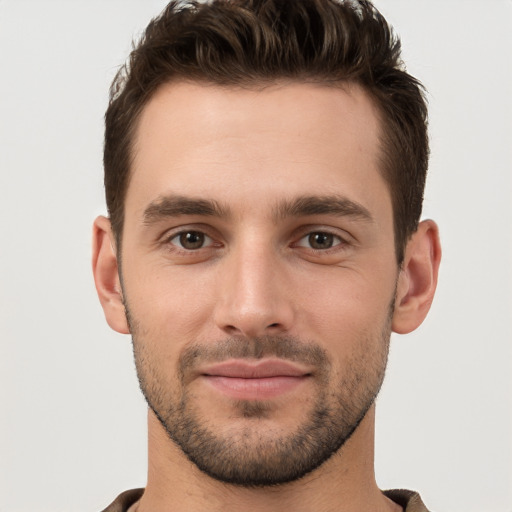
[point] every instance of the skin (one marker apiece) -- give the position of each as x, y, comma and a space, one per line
253, 153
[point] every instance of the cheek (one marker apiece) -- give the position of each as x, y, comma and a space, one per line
169, 305
347, 303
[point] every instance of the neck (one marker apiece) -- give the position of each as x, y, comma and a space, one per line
344, 483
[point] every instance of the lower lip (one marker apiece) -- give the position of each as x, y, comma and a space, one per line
254, 389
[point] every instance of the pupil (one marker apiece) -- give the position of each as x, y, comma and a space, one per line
321, 240
192, 240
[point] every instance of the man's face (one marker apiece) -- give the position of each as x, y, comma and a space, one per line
259, 273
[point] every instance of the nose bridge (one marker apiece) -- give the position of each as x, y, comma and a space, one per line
254, 298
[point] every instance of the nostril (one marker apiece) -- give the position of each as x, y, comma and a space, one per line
231, 329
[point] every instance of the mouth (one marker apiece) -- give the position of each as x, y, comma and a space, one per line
261, 380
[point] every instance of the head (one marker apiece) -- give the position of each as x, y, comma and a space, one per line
252, 44
264, 167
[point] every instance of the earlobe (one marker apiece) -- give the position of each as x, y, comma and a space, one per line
106, 275
417, 280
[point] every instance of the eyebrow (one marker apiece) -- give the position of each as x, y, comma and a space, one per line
176, 205
322, 205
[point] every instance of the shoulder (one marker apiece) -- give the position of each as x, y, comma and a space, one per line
124, 501
410, 501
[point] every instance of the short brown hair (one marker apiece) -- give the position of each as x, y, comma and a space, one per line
254, 42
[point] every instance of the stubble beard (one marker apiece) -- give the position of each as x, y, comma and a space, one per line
251, 456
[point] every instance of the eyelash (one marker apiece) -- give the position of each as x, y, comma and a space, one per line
168, 240
338, 242
336, 239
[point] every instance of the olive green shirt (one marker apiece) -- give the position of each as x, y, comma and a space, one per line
410, 501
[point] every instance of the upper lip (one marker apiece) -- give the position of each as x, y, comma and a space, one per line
245, 369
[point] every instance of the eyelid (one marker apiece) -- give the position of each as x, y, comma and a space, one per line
340, 240
171, 232
208, 242
167, 236
307, 230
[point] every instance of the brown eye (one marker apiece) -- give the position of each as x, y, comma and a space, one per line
321, 240
191, 240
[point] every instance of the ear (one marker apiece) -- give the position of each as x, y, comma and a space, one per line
106, 275
417, 280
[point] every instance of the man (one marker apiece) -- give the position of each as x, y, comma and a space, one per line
264, 169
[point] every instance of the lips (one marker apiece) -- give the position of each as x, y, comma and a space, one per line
258, 370
262, 380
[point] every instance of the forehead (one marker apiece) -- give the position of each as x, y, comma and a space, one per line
199, 139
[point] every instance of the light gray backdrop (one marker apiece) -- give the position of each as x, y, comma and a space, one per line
72, 422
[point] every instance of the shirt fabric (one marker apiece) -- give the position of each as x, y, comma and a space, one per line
410, 501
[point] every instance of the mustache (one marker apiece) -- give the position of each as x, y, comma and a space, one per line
281, 347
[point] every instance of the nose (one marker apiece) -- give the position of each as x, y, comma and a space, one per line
254, 296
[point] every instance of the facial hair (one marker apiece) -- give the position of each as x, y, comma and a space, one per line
251, 455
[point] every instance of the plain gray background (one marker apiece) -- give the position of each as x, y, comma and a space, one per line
72, 422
